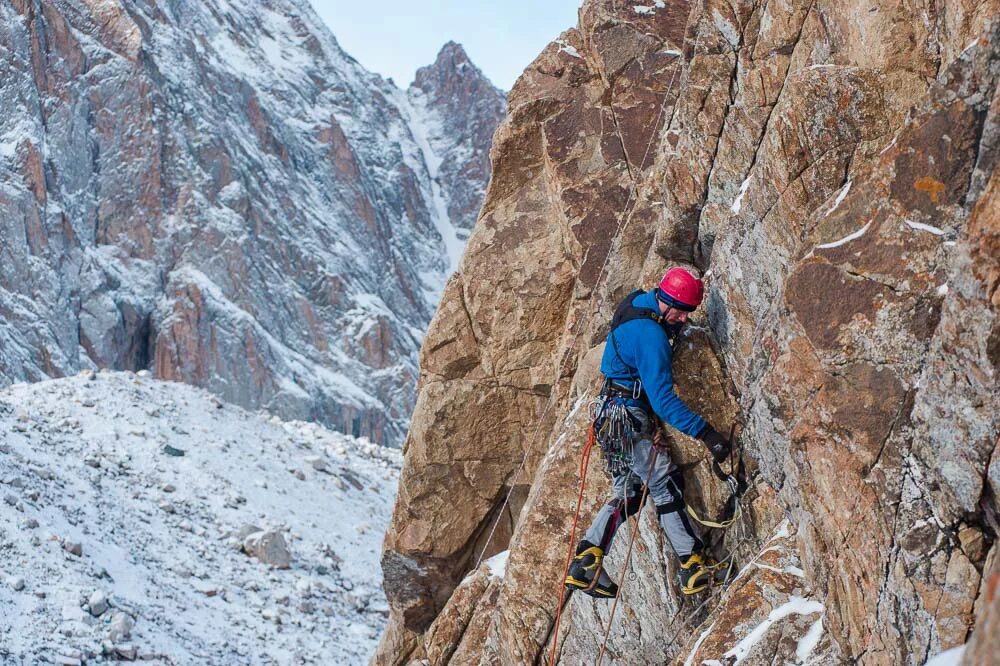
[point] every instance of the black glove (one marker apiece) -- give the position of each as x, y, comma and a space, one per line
717, 445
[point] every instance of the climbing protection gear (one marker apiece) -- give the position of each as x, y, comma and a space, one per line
718, 445
617, 427
735, 479
586, 572
697, 572
680, 289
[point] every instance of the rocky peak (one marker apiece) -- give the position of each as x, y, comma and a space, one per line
449, 78
216, 191
457, 99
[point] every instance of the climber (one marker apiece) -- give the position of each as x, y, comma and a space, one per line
637, 393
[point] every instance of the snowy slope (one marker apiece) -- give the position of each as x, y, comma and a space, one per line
83, 460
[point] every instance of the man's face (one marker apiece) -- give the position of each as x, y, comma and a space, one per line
675, 316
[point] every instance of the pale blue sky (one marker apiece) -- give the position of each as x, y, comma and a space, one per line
395, 37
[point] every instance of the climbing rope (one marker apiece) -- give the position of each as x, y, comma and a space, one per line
584, 462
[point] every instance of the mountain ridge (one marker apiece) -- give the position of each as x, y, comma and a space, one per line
223, 195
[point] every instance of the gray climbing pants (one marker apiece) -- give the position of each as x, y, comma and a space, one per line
666, 488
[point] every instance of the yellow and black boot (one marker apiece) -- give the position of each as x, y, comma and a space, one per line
697, 572
586, 572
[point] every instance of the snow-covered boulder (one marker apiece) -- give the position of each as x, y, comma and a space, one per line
269, 547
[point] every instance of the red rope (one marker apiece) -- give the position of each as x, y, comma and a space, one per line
584, 461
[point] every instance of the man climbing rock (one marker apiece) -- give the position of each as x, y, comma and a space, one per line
638, 392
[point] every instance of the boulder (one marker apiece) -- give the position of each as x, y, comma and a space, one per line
98, 603
269, 547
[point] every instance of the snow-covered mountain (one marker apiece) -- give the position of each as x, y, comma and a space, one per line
129, 508
461, 112
218, 192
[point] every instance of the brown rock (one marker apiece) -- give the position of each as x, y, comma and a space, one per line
985, 642
788, 130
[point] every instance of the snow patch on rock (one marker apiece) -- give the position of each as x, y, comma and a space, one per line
794, 606
738, 203
920, 226
498, 564
846, 239
840, 198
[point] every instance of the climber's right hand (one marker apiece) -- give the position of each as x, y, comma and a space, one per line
717, 445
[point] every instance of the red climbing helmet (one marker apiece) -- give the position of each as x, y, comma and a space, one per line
680, 289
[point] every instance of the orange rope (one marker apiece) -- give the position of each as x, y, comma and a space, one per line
631, 542
584, 461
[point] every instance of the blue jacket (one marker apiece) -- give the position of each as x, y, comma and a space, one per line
645, 347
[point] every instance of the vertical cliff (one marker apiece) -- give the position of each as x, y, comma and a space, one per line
830, 166
218, 192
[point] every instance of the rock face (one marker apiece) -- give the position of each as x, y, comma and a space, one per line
831, 168
217, 192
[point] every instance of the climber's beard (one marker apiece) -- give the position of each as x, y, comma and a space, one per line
674, 329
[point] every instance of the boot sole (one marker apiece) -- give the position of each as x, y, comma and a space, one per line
580, 585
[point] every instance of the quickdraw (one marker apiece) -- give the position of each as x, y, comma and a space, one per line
616, 430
